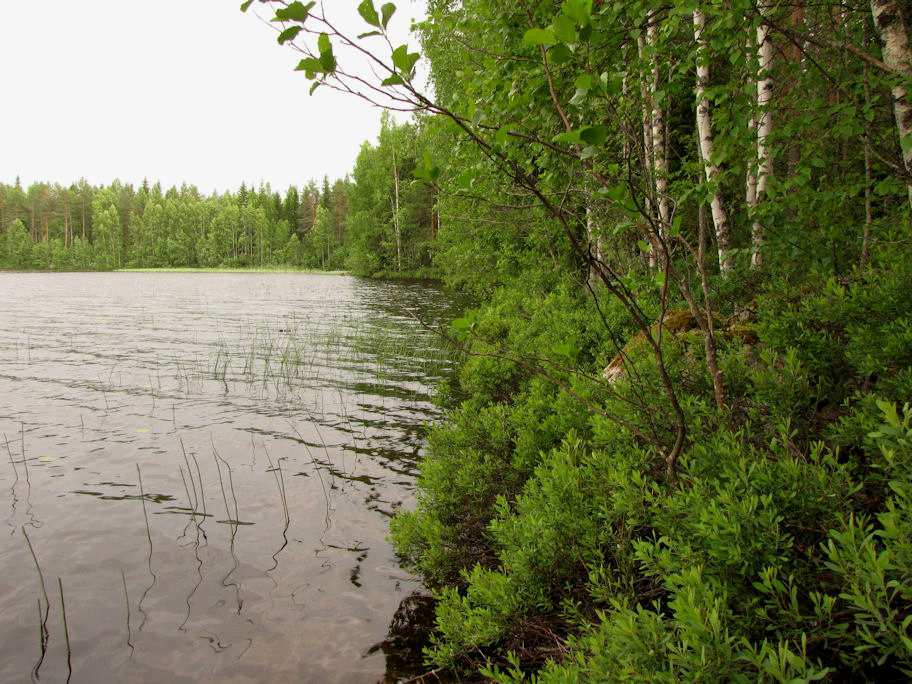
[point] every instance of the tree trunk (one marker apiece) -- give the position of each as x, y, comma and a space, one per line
396, 227
648, 152
868, 205
764, 127
659, 141
704, 316
704, 130
595, 240
67, 230
793, 52
894, 39
750, 186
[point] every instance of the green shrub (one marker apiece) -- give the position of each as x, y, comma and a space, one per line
780, 552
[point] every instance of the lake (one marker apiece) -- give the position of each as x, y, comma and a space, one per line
206, 465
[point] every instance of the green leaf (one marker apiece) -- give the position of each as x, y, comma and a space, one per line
328, 62
583, 82
327, 59
427, 171
315, 86
502, 136
388, 10
289, 34
294, 11
594, 135
246, 5
579, 11
369, 14
369, 34
559, 54
404, 60
310, 65
564, 29
461, 324
395, 79
618, 193
569, 138
676, 226
539, 36
906, 143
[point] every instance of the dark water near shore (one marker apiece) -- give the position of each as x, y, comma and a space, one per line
261, 554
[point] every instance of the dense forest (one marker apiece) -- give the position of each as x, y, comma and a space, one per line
381, 222
679, 443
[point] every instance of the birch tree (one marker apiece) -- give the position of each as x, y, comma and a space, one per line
659, 131
704, 131
894, 38
764, 127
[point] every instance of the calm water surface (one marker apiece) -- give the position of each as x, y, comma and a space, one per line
206, 464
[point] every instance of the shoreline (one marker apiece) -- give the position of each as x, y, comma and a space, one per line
188, 269
217, 269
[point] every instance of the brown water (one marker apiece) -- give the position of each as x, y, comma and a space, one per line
261, 554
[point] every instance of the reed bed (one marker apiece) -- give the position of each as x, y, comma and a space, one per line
286, 358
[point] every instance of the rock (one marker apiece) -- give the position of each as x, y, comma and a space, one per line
409, 632
677, 322
412, 622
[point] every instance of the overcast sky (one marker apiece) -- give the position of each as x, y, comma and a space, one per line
170, 90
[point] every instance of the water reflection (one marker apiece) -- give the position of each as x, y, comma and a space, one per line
268, 426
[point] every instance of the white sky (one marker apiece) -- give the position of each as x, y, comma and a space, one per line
170, 90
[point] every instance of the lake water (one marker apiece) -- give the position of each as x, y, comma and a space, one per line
206, 465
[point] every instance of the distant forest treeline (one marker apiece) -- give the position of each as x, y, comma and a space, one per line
379, 221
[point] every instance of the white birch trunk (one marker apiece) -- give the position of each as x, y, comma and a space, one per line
659, 142
894, 38
648, 161
764, 127
750, 191
659, 146
704, 131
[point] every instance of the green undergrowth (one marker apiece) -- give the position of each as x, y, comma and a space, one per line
560, 551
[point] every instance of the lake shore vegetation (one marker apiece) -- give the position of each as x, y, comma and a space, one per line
679, 443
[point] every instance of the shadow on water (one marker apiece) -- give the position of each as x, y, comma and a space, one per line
142, 498
123, 576
43, 614
312, 395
